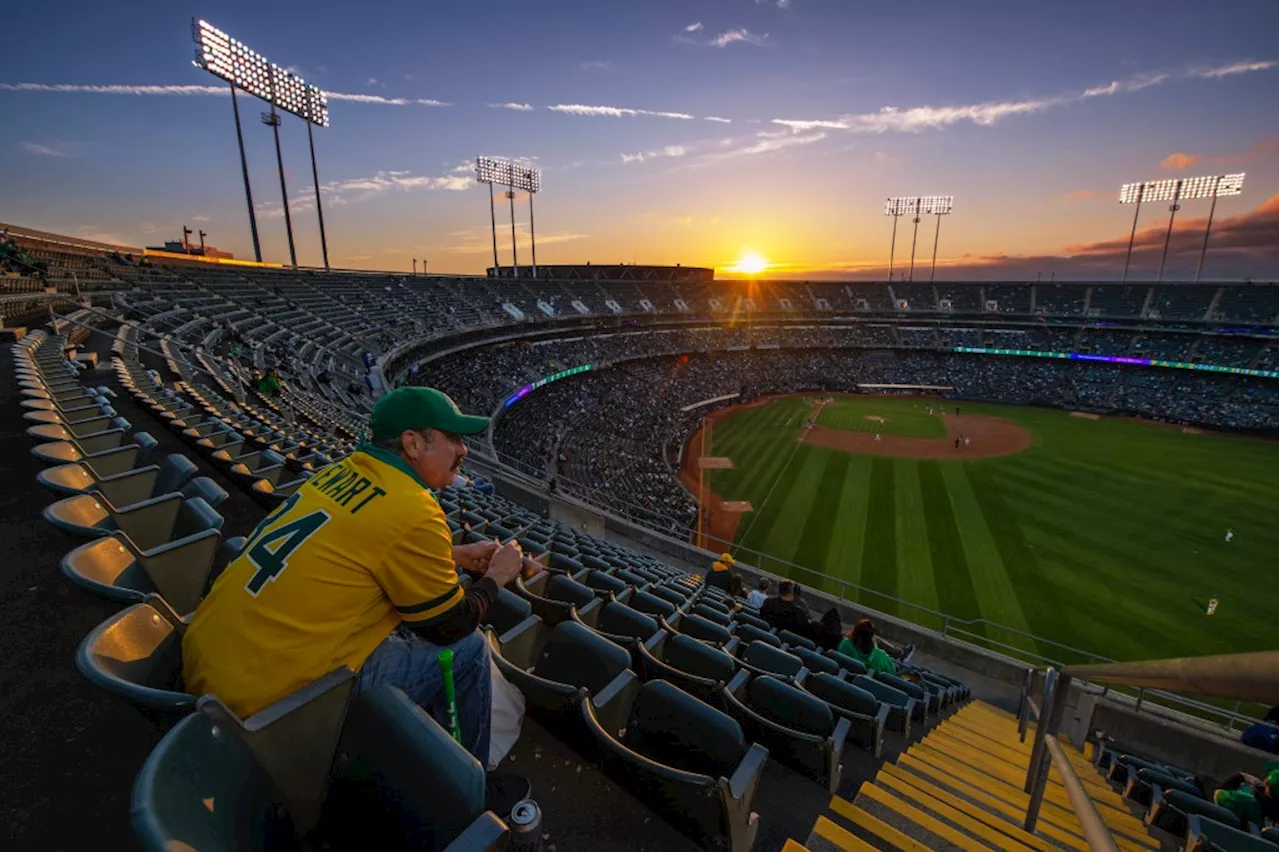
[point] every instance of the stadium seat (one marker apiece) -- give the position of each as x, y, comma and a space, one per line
575, 664
694, 666
764, 659
749, 633
121, 489
902, 707
113, 567
538, 591
517, 629
137, 654
705, 629
650, 604
867, 716
926, 703
627, 626
815, 662
795, 639
796, 727
1140, 782
704, 610
1170, 810
606, 584
116, 458
742, 618
400, 781
687, 761
1207, 835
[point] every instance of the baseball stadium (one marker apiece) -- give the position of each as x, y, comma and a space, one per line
836, 552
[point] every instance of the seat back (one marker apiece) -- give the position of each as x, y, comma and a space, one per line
201, 788
901, 685
400, 781
882, 691
789, 706
764, 656
849, 664
645, 602
196, 516
815, 662
672, 727
622, 620
604, 582
697, 658
790, 638
750, 633
702, 628
744, 617
507, 611
711, 614
567, 590
842, 694
577, 655
1167, 782
175, 471
1194, 805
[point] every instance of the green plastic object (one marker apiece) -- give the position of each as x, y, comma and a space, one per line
446, 665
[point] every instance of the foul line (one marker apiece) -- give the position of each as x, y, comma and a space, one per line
758, 512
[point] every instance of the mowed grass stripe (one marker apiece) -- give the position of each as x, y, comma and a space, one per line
946, 551
844, 550
794, 503
997, 600
822, 522
916, 581
879, 548
761, 525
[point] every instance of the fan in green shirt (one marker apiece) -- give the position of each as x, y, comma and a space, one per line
861, 645
1246, 797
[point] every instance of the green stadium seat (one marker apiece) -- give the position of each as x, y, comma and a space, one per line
137, 654
926, 703
797, 728
1169, 811
688, 762
694, 666
764, 659
1207, 835
518, 630
1139, 783
795, 639
400, 781
815, 662
742, 617
868, 718
704, 629
117, 458
902, 707
749, 633
606, 584
710, 613
575, 664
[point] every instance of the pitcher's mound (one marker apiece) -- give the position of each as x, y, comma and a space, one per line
874, 418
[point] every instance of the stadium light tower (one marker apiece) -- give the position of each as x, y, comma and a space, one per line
513, 176
249, 71
1175, 190
938, 205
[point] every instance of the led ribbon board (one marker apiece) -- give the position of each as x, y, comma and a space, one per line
233, 61
1112, 359
554, 377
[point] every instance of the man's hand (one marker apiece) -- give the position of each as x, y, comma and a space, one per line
474, 557
505, 563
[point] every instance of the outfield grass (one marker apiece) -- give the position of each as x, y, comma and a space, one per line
1106, 535
909, 418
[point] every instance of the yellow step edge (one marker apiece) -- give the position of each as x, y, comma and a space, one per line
1000, 816
927, 821
976, 782
874, 825
1003, 835
997, 774
989, 708
834, 834
996, 750
1055, 798
941, 740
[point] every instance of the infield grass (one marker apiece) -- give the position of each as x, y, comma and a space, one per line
1106, 535
909, 418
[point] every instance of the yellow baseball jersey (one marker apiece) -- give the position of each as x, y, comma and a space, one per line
360, 547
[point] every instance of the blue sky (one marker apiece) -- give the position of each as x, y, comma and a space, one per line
1032, 115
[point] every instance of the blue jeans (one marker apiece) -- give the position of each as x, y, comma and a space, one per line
406, 660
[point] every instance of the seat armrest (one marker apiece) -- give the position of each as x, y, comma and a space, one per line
613, 703
486, 834
747, 775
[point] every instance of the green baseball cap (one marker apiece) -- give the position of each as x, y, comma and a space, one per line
414, 408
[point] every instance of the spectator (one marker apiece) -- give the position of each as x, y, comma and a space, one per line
378, 593
782, 612
862, 646
1251, 799
1263, 735
720, 575
829, 634
802, 603
737, 590
759, 594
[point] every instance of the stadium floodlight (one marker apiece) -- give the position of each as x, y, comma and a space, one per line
246, 69
936, 205
1175, 190
514, 176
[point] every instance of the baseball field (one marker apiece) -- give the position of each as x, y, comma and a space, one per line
1108, 535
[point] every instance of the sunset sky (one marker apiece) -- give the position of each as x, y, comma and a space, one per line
669, 131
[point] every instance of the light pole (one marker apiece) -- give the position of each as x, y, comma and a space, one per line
1173, 191
514, 176
272, 120
244, 168
938, 205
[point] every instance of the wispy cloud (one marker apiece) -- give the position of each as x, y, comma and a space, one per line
1178, 161
1084, 195
892, 119
1234, 68
1263, 149
513, 105
115, 90
717, 118
596, 65
737, 34
781, 4
432, 102
350, 190
41, 150
613, 112
696, 26
372, 81
667, 151
200, 217
767, 142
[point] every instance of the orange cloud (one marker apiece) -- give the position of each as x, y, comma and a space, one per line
1084, 195
1178, 161
1263, 149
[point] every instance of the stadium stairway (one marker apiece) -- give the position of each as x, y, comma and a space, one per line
960, 787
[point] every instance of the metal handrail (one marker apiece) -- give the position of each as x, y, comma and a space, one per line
1095, 831
1247, 677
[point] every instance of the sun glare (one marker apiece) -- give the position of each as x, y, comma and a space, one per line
750, 263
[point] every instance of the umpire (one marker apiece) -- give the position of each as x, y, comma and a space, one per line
358, 569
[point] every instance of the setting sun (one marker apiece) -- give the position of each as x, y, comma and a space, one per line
750, 263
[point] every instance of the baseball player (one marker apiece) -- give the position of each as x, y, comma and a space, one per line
358, 569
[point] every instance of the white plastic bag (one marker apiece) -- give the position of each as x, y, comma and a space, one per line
506, 717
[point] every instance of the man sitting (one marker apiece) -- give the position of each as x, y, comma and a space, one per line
720, 575
783, 613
